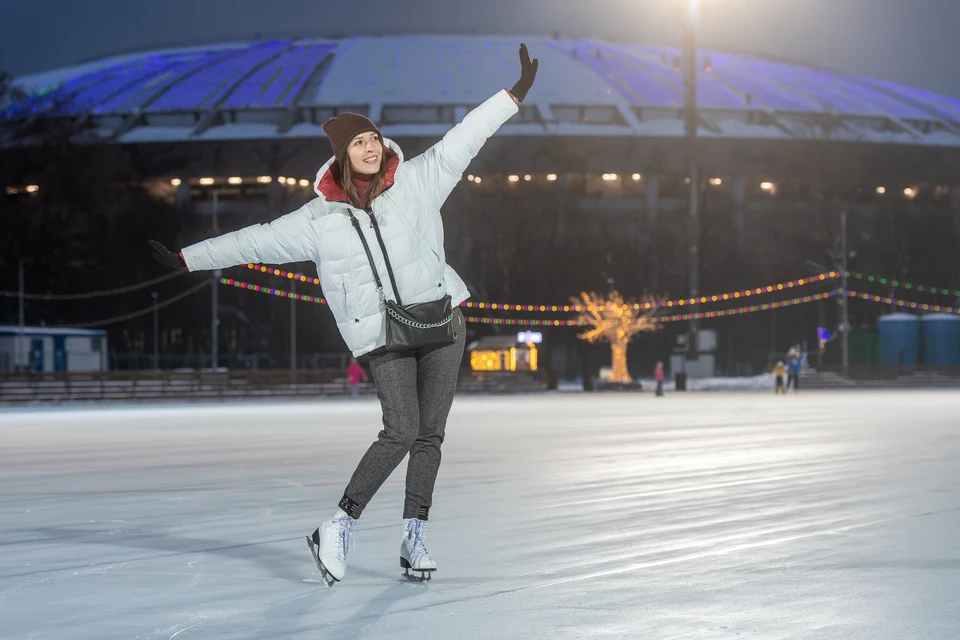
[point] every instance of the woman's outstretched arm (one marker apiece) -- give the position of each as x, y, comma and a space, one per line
286, 239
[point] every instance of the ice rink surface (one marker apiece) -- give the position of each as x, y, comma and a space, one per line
742, 515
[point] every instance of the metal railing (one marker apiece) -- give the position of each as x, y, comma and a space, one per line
158, 386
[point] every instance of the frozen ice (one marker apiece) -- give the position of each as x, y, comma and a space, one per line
565, 515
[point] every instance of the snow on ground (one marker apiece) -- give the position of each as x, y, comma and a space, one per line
762, 382
818, 515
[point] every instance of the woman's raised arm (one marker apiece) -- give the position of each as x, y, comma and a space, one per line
439, 168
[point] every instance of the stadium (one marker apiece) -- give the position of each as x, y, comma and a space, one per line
593, 165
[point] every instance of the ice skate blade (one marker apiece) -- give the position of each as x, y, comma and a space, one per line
423, 577
325, 576
425, 574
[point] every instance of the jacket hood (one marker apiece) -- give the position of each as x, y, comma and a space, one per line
327, 183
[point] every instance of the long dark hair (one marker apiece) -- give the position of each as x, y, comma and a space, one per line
346, 178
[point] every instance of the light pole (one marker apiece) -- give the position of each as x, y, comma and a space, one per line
20, 355
845, 299
293, 326
214, 293
156, 333
691, 15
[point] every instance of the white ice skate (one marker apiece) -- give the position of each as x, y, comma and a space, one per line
413, 554
329, 545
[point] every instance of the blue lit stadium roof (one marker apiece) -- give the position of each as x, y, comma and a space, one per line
421, 85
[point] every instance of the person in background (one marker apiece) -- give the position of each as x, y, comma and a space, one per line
793, 369
355, 373
779, 371
658, 376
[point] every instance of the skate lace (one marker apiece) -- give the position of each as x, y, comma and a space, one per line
345, 540
418, 530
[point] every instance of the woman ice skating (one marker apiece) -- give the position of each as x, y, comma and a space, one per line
658, 376
375, 233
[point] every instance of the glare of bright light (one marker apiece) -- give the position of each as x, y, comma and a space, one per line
609, 177
881, 190
470, 178
528, 178
235, 180
175, 182
766, 186
636, 177
206, 181
716, 182
264, 179
282, 180
910, 192
32, 188
477, 180
304, 183
551, 177
514, 178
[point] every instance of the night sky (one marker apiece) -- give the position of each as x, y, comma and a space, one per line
911, 42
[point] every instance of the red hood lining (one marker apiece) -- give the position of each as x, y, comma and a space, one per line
329, 184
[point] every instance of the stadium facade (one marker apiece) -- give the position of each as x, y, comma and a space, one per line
596, 153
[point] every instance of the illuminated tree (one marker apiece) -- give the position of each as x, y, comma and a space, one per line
616, 322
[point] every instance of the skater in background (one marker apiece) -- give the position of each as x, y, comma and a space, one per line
793, 369
355, 372
778, 371
658, 376
369, 190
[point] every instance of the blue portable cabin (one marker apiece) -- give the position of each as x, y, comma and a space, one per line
941, 339
899, 339
47, 349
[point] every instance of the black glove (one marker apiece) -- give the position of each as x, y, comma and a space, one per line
528, 72
166, 257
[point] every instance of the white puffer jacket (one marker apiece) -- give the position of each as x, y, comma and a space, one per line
408, 213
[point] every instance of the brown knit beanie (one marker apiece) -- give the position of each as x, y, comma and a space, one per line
344, 128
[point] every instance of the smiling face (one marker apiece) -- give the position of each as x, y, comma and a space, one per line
366, 153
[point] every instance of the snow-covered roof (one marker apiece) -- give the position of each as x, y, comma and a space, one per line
941, 317
14, 330
420, 85
899, 317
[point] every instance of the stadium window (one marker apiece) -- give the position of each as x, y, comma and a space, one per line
587, 114
565, 114
396, 114
528, 114
319, 115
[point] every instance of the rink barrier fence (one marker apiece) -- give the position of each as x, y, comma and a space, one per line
153, 386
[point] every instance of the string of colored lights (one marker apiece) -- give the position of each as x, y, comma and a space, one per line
281, 273
906, 304
556, 323
736, 295
904, 285
274, 292
544, 308
704, 315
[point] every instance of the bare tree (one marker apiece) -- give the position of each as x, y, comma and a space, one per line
615, 321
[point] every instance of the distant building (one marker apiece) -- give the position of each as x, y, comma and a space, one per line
47, 349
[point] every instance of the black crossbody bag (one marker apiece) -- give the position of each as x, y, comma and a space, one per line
422, 324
